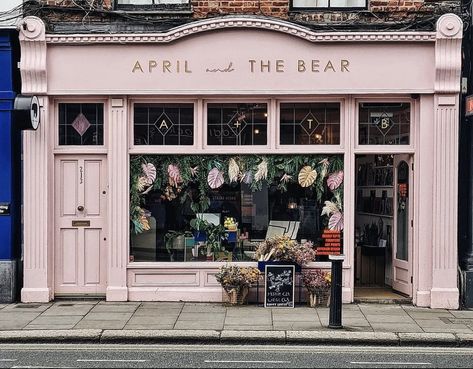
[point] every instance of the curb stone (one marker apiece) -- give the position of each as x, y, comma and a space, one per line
51, 336
253, 337
465, 339
159, 336
353, 338
427, 339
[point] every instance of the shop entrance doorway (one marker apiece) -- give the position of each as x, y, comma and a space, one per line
80, 225
383, 227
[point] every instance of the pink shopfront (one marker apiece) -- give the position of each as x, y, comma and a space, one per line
145, 136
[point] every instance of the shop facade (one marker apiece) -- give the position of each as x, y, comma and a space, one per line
108, 100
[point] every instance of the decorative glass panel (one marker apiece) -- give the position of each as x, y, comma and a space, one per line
237, 124
310, 124
163, 124
81, 124
384, 123
402, 248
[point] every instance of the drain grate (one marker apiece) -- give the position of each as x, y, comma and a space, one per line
66, 305
26, 306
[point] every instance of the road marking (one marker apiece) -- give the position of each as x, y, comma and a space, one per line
8, 360
111, 361
248, 361
386, 363
41, 367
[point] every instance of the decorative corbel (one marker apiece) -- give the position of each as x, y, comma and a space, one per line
448, 54
33, 56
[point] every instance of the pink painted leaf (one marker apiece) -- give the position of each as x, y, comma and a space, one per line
149, 171
334, 180
336, 221
215, 178
174, 174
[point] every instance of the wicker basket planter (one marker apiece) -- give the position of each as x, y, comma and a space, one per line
318, 297
236, 296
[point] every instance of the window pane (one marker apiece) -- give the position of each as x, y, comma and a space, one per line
163, 124
347, 3
329, 4
81, 124
309, 124
384, 123
237, 124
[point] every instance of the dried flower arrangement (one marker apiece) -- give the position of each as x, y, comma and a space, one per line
282, 248
236, 281
316, 280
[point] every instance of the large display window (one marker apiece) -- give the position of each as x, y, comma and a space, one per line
215, 208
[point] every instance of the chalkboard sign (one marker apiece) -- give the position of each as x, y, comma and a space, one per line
279, 286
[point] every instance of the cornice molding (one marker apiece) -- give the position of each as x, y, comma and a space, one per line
242, 23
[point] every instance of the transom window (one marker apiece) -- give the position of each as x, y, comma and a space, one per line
80, 124
237, 124
309, 124
384, 123
163, 124
331, 4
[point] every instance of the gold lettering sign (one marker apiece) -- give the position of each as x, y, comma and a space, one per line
266, 66
81, 223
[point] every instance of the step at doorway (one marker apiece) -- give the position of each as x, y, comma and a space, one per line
380, 295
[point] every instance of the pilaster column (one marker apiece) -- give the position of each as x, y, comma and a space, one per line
37, 183
444, 293
118, 173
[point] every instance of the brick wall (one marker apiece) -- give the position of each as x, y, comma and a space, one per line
378, 12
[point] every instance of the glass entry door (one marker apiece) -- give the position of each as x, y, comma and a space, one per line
402, 246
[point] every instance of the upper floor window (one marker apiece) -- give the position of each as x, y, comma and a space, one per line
237, 124
384, 123
144, 4
331, 4
80, 124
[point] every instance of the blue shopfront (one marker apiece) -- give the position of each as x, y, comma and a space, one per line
10, 173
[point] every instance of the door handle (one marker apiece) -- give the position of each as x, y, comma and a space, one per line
80, 208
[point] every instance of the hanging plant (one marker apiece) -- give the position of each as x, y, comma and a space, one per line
307, 176
262, 172
325, 163
233, 170
215, 178
334, 180
149, 171
174, 175
194, 171
332, 210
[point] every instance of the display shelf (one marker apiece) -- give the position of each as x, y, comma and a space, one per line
375, 215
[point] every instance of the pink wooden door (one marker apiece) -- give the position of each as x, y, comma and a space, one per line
80, 230
402, 235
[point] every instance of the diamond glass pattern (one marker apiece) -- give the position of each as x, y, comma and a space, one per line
309, 123
81, 124
163, 124
237, 123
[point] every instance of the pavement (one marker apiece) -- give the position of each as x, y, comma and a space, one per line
99, 321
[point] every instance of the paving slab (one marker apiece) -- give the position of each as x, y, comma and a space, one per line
204, 325
462, 313
295, 318
402, 319
248, 321
352, 322
107, 324
159, 336
162, 305
209, 316
149, 326
427, 339
451, 329
141, 311
13, 325
108, 316
27, 308
296, 326
396, 327
109, 308
143, 320
56, 320
11, 316
65, 310
231, 327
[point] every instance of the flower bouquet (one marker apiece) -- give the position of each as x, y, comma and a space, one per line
236, 281
283, 249
318, 283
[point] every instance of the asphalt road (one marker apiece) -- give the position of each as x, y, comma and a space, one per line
209, 356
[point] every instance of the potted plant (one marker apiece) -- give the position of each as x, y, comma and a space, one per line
215, 234
236, 281
318, 283
283, 250
175, 240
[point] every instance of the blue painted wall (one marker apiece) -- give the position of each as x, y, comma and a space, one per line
10, 147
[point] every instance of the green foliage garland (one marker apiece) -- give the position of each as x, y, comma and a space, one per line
195, 168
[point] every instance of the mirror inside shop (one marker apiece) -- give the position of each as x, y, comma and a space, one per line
195, 222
